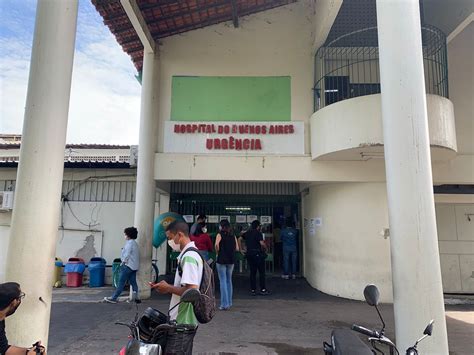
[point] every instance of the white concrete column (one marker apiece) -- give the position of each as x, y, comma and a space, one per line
416, 274
35, 219
146, 188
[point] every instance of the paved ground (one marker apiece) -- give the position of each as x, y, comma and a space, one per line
295, 319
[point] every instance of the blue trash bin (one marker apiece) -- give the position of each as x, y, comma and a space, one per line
97, 272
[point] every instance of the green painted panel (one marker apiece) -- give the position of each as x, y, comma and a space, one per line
219, 98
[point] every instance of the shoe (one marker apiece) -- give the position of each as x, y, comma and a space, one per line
293, 276
135, 298
137, 301
223, 308
109, 300
253, 292
264, 292
285, 277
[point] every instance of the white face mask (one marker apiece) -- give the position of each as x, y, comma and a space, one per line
173, 245
204, 230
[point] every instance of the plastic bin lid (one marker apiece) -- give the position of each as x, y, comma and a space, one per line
76, 260
97, 260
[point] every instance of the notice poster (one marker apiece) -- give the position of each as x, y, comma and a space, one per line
213, 219
312, 226
221, 218
189, 218
319, 222
265, 219
240, 219
251, 218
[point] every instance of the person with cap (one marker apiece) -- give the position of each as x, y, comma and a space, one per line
256, 256
201, 220
10, 300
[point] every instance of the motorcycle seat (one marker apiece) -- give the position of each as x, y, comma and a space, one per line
345, 341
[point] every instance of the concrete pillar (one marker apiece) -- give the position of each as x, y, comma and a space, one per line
35, 219
416, 273
146, 189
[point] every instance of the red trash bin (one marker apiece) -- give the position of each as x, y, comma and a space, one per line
74, 270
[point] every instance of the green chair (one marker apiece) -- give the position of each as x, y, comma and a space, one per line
269, 263
242, 261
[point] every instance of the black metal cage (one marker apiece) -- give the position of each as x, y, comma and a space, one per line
348, 66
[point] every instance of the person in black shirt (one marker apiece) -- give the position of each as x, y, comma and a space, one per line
256, 256
10, 300
226, 246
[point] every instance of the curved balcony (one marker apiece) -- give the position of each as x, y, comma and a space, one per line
347, 124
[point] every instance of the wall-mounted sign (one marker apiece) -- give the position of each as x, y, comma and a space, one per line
251, 218
189, 218
240, 219
261, 138
265, 219
221, 218
213, 219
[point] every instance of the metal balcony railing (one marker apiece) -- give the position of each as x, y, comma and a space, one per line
348, 66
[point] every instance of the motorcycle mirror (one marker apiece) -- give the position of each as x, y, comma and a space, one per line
429, 328
190, 295
371, 294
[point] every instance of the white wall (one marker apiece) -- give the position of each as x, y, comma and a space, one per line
348, 129
276, 42
108, 217
461, 87
456, 243
107, 221
349, 250
4, 237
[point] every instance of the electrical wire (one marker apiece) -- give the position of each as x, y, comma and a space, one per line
77, 218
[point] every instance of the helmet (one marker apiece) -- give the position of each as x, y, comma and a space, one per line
147, 323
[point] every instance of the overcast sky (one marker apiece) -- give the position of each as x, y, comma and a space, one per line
105, 96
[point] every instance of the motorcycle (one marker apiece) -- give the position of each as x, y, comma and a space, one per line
344, 342
148, 333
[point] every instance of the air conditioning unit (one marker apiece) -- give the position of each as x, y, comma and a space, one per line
6, 200
133, 156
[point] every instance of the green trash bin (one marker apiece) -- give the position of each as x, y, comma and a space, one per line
116, 271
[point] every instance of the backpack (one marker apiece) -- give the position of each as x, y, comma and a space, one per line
205, 307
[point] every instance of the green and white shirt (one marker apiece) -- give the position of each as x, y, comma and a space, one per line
192, 268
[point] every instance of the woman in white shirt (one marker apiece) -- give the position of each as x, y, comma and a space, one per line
129, 267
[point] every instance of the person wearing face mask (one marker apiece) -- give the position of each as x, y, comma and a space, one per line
202, 240
130, 263
201, 219
10, 300
188, 275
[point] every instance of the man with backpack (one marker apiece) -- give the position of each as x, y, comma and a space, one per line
189, 274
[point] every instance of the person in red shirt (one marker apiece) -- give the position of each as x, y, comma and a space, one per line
202, 240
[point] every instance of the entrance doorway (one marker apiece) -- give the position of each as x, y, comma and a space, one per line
271, 211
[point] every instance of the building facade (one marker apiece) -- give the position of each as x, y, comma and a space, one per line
344, 115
